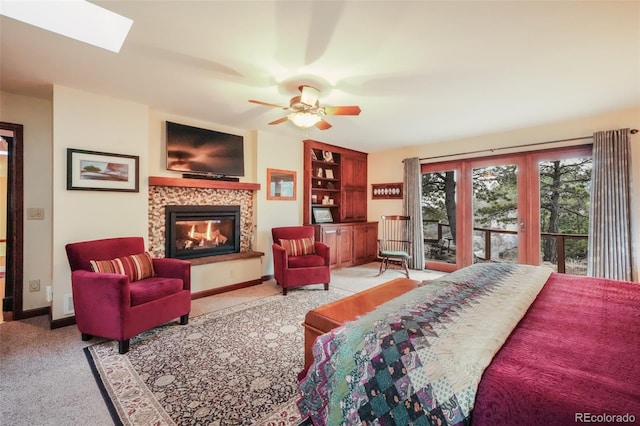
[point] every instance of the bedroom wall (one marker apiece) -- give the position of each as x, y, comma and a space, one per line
93, 122
277, 152
386, 166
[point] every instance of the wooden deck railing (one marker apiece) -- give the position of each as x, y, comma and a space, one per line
559, 239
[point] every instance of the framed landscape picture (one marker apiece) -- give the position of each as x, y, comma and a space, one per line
282, 184
102, 171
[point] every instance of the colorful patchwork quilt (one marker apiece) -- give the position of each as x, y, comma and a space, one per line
418, 359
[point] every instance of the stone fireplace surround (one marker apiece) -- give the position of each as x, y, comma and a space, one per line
193, 192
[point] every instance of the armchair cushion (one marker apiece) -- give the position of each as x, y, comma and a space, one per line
136, 266
298, 247
306, 261
150, 289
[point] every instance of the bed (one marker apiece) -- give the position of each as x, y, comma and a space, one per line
491, 344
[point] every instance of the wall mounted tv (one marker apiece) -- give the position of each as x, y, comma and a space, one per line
202, 152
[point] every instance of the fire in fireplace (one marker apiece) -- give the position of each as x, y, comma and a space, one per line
199, 231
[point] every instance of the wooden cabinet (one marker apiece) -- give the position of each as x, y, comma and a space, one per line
335, 180
350, 243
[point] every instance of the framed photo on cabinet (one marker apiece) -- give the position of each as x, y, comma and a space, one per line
322, 215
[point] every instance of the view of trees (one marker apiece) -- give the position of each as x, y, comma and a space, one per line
564, 202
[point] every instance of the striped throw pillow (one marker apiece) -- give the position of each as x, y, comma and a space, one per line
299, 247
136, 266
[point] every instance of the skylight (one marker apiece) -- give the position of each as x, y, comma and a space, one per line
77, 19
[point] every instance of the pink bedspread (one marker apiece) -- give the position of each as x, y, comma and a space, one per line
574, 356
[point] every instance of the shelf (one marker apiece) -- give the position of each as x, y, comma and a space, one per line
325, 190
202, 183
325, 205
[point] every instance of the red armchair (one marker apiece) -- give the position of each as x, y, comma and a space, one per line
111, 305
298, 259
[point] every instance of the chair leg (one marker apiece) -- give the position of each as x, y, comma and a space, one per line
381, 265
406, 267
184, 319
86, 337
284, 291
123, 346
326, 286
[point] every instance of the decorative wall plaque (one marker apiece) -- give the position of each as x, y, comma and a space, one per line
386, 191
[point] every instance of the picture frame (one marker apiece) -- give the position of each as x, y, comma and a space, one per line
282, 184
319, 172
386, 191
322, 215
328, 173
102, 171
327, 156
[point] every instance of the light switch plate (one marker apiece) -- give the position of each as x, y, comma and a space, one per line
35, 213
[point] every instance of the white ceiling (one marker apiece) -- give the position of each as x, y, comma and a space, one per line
422, 71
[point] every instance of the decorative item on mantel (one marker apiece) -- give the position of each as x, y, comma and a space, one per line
386, 191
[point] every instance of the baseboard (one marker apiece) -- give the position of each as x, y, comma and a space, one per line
34, 312
224, 289
63, 322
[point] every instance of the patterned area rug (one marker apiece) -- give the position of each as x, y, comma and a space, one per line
236, 366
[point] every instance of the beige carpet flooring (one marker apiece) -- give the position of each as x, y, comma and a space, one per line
45, 378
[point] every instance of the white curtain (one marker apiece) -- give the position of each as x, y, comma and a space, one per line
610, 239
413, 208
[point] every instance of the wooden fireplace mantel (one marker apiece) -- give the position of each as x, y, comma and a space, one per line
202, 183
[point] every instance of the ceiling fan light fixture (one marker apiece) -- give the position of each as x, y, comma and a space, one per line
304, 119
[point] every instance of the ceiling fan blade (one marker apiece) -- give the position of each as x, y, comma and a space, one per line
308, 95
267, 104
342, 110
279, 120
323, 125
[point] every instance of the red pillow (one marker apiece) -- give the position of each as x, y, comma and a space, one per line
299, 247
136, 266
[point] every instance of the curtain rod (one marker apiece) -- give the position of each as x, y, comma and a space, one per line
632, 131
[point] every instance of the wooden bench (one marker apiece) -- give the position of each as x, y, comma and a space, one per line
327, 317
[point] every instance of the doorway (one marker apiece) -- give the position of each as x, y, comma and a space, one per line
12, 300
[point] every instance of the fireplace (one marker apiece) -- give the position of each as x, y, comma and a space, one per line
200, 231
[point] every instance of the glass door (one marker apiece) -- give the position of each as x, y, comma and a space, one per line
439, 212
564, 213
497, 221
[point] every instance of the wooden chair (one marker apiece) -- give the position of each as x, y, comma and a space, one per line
394, 245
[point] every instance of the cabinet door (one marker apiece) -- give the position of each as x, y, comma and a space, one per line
354, 189
365, 242
345, 246
354, 205
372, 241
329, 236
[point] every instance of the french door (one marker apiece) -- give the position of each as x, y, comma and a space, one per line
493, 209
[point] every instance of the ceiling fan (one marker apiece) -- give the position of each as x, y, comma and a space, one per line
306, 110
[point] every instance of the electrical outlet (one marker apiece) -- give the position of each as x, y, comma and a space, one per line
68, 304
49, 294
34, 285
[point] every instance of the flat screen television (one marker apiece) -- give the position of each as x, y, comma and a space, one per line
204, 152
